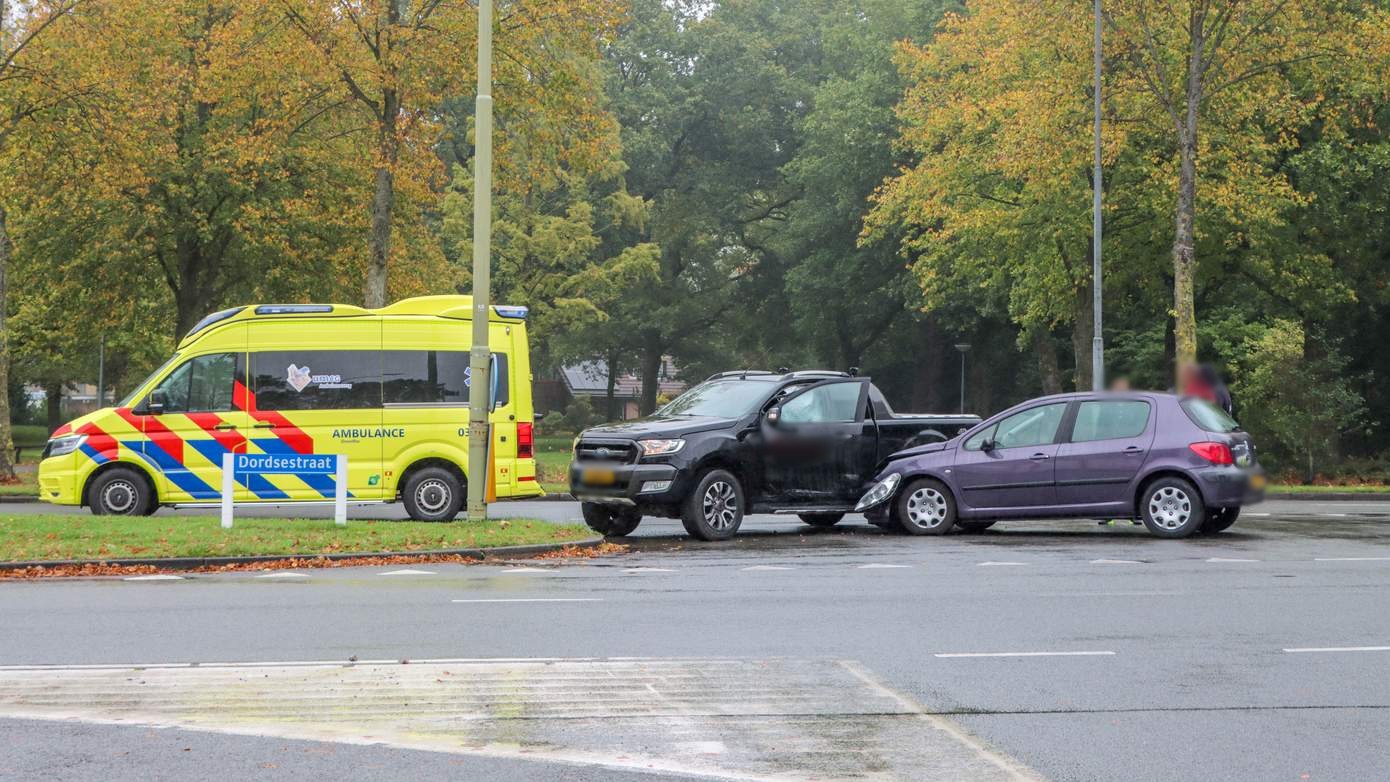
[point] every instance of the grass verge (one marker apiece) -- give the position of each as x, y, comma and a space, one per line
1298, 488
27, 537
553, 463
28, 485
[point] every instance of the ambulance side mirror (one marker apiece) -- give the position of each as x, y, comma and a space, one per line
154, 405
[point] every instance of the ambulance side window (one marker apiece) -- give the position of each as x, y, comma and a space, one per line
434, 377
316, 379
202, 384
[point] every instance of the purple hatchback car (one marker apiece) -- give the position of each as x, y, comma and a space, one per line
1178, 463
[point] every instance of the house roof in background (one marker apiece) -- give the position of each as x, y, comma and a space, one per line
590, 378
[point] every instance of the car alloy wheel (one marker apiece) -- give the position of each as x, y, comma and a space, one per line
1170, 507
927, 508
720, 505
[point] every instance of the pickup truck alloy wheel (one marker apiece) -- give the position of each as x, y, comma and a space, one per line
608, 521
926, 507
714, 510
1172, 508
1219, 519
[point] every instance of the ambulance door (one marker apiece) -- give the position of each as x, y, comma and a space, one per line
425, 386
315, 388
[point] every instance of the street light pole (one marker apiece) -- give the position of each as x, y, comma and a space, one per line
963, 347
1097, 341
479, 402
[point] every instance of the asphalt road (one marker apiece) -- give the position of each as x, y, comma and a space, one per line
1061, 650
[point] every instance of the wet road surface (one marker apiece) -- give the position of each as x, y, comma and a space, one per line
1061, 650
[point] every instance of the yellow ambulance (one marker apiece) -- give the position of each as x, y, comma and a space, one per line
388, 388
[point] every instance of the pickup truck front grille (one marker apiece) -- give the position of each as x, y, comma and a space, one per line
616, 452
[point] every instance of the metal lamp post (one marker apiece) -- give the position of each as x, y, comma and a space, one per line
963, 347
479, 403
1097, 342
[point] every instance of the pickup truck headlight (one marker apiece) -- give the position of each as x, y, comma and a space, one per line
61, 446
878, 493
660, 447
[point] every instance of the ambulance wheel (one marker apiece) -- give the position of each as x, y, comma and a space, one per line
610, 522
121, 492
433, 494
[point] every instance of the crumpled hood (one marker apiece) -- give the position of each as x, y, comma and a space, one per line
658, 427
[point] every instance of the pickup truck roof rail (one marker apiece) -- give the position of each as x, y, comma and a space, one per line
738, 373
764, 373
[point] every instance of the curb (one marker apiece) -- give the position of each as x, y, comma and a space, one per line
19, 498
193, 563
1333, 496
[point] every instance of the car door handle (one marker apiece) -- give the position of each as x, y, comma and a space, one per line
1037, 457
225, 427
265, 426
1133, 450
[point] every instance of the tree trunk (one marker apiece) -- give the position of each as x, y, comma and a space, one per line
6, 439
1082, 332
610, 407
383, 201
1049, 373
1184, 253
54, 392
651, 372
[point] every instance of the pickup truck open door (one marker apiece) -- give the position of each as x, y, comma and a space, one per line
820, 446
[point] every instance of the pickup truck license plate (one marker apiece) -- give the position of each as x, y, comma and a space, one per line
598, 476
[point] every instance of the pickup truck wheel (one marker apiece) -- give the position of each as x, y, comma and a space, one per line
974, 526
925, 507
609, 521
714, 510
1172, 508
821, 519
1219, 519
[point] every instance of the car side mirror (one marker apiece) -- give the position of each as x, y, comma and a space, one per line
774, 415
988, 445
158, 398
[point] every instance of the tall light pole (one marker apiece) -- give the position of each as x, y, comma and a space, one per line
963, 347
1097, 341
479, 394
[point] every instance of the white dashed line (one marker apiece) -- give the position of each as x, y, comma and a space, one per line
1026, 654
766, 567
158, 577
284, 575
1116, 562
1227, 559
1335, 515
407, 573
1339, 649
527, 570
992, 563
1260, 515
878, 566
635, 570
1351, 559
532, 600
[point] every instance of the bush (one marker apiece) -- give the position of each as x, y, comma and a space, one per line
578, 416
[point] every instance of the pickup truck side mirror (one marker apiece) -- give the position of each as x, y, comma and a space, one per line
774, 415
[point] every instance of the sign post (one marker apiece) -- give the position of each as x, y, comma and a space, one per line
236, 465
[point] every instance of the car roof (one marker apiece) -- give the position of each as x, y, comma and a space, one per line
762, 374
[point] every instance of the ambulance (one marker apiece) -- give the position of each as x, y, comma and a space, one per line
388, 388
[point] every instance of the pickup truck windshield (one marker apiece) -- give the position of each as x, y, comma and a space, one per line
719, 399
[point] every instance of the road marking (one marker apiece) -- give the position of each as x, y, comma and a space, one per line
1351, 559
531, 600
527, 570
1226, 559
1261, 515
1339, 649
649, 570
157, 577
992, 563
286, 574
878, 566
1338, 515
1097, 653
1116, 562
407, 572
766, 567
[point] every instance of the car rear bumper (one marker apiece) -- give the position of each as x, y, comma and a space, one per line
1228, 486
633, 484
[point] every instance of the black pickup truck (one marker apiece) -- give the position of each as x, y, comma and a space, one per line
801, 443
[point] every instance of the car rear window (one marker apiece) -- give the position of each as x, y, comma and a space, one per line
1208, 416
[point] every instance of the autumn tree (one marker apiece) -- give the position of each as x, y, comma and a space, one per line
398, 62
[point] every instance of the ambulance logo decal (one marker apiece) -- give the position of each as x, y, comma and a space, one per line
298, 377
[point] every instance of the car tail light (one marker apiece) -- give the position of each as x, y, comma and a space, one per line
1216, 453
525, 440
